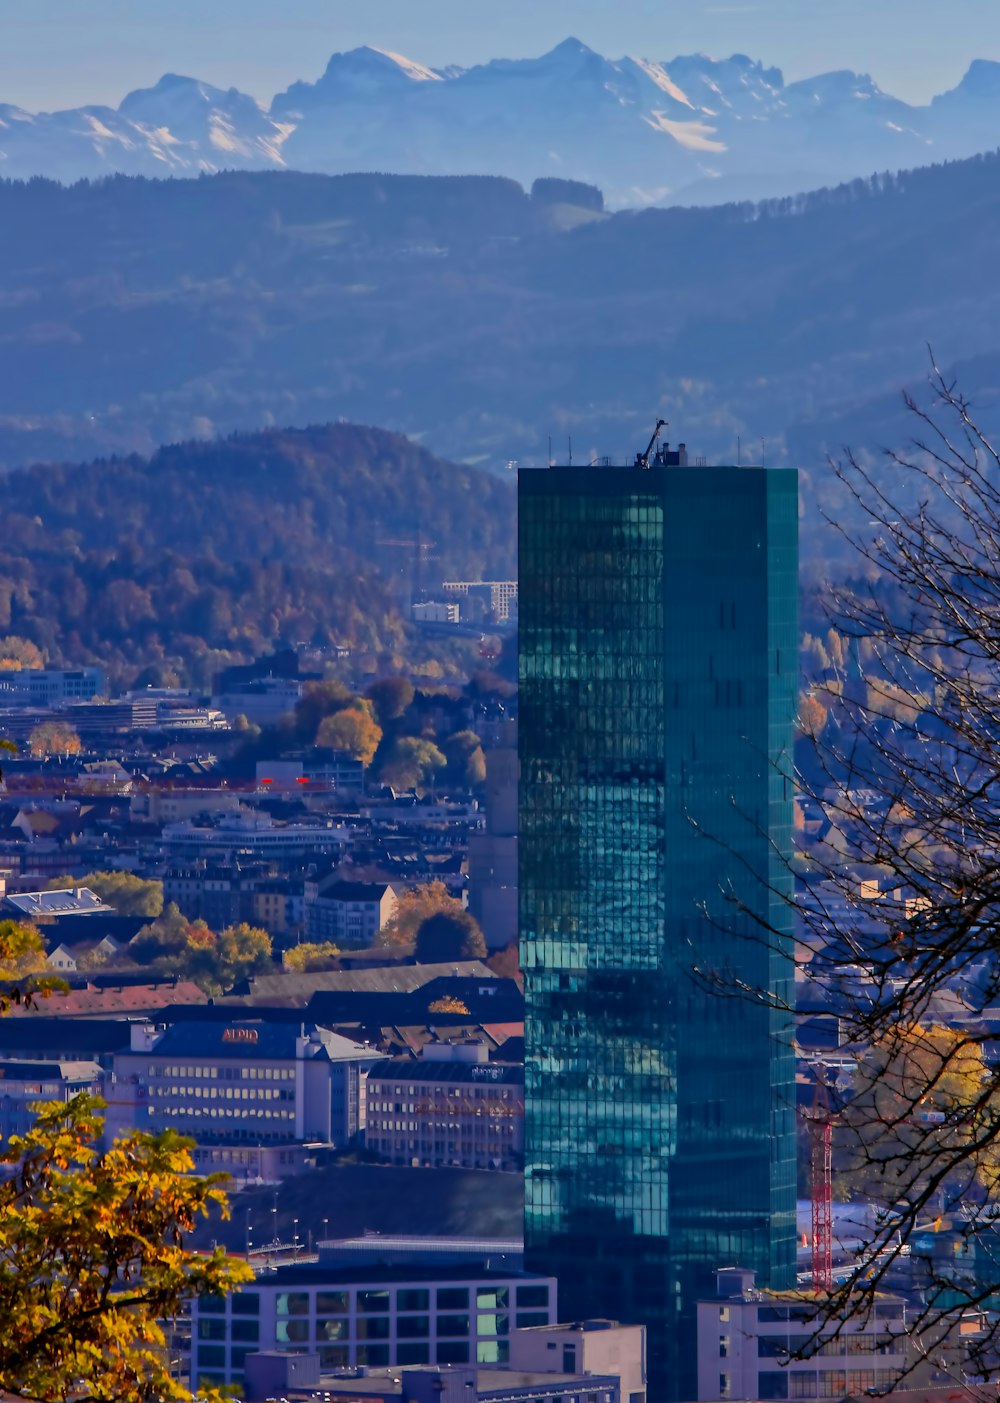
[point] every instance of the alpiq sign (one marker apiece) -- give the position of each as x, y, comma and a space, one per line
240, 1035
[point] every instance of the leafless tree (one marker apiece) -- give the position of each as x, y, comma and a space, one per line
899, 887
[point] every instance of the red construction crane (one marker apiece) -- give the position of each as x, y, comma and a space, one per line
821, 1118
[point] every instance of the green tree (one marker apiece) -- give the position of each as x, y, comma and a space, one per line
466, 762
353, 730
128, 894
94, 1259
391, 697
411, 763
449, 935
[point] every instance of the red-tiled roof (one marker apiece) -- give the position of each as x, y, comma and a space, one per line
95, 1002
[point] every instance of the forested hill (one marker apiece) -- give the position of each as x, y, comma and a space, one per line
480, 317
227, 549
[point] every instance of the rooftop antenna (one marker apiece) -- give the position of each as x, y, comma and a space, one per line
569, 443
642, 459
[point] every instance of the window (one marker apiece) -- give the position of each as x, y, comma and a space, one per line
412, 1298
492, 1351
569, 1359
293, 1303
453, 1324
292, 1332
332, 1303
772, 1383
239, 1355
498, 1299
723, 1346
337, 1329
802, 1386
215, 1305
374, 1301
334, 1356
452, 1352
528, 1296
413, 1354
493, 1325
211, 1329
246, 1303
374, 1328
373, 1354
413, 1327
527, 1318
214, 1356
245, 1330
452, 1297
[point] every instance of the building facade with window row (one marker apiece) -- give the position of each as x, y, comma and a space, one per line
443, 1112
658, 661
380, 1315
747, 1340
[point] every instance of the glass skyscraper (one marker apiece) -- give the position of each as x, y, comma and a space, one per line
658, 683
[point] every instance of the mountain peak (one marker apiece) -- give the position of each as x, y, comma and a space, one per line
369, 58
981, 80
358, 73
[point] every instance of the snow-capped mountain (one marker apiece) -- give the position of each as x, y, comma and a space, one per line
691, 129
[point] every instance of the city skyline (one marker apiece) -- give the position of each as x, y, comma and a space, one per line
59, 56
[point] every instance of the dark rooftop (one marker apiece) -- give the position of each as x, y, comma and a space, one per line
314, 1274
443, 1069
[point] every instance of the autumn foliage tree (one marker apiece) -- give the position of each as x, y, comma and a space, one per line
54, 738
352, 729
413, 906
311, 955
94, 1261
92, 1242
174, 945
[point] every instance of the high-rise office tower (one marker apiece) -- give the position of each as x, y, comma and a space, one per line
658, 680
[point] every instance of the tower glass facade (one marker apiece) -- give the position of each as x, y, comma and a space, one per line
658, 679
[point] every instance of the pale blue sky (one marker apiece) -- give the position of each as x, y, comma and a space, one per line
64, 52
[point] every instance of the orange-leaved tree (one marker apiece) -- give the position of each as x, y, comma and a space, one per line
93, 1259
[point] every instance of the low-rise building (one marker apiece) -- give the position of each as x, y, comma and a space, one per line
50, 686
23, 1083
254, 836
351, 914
434, 611
48, 906
450, 1107
244, 1084
748, 1340
369, 1316
495, 599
